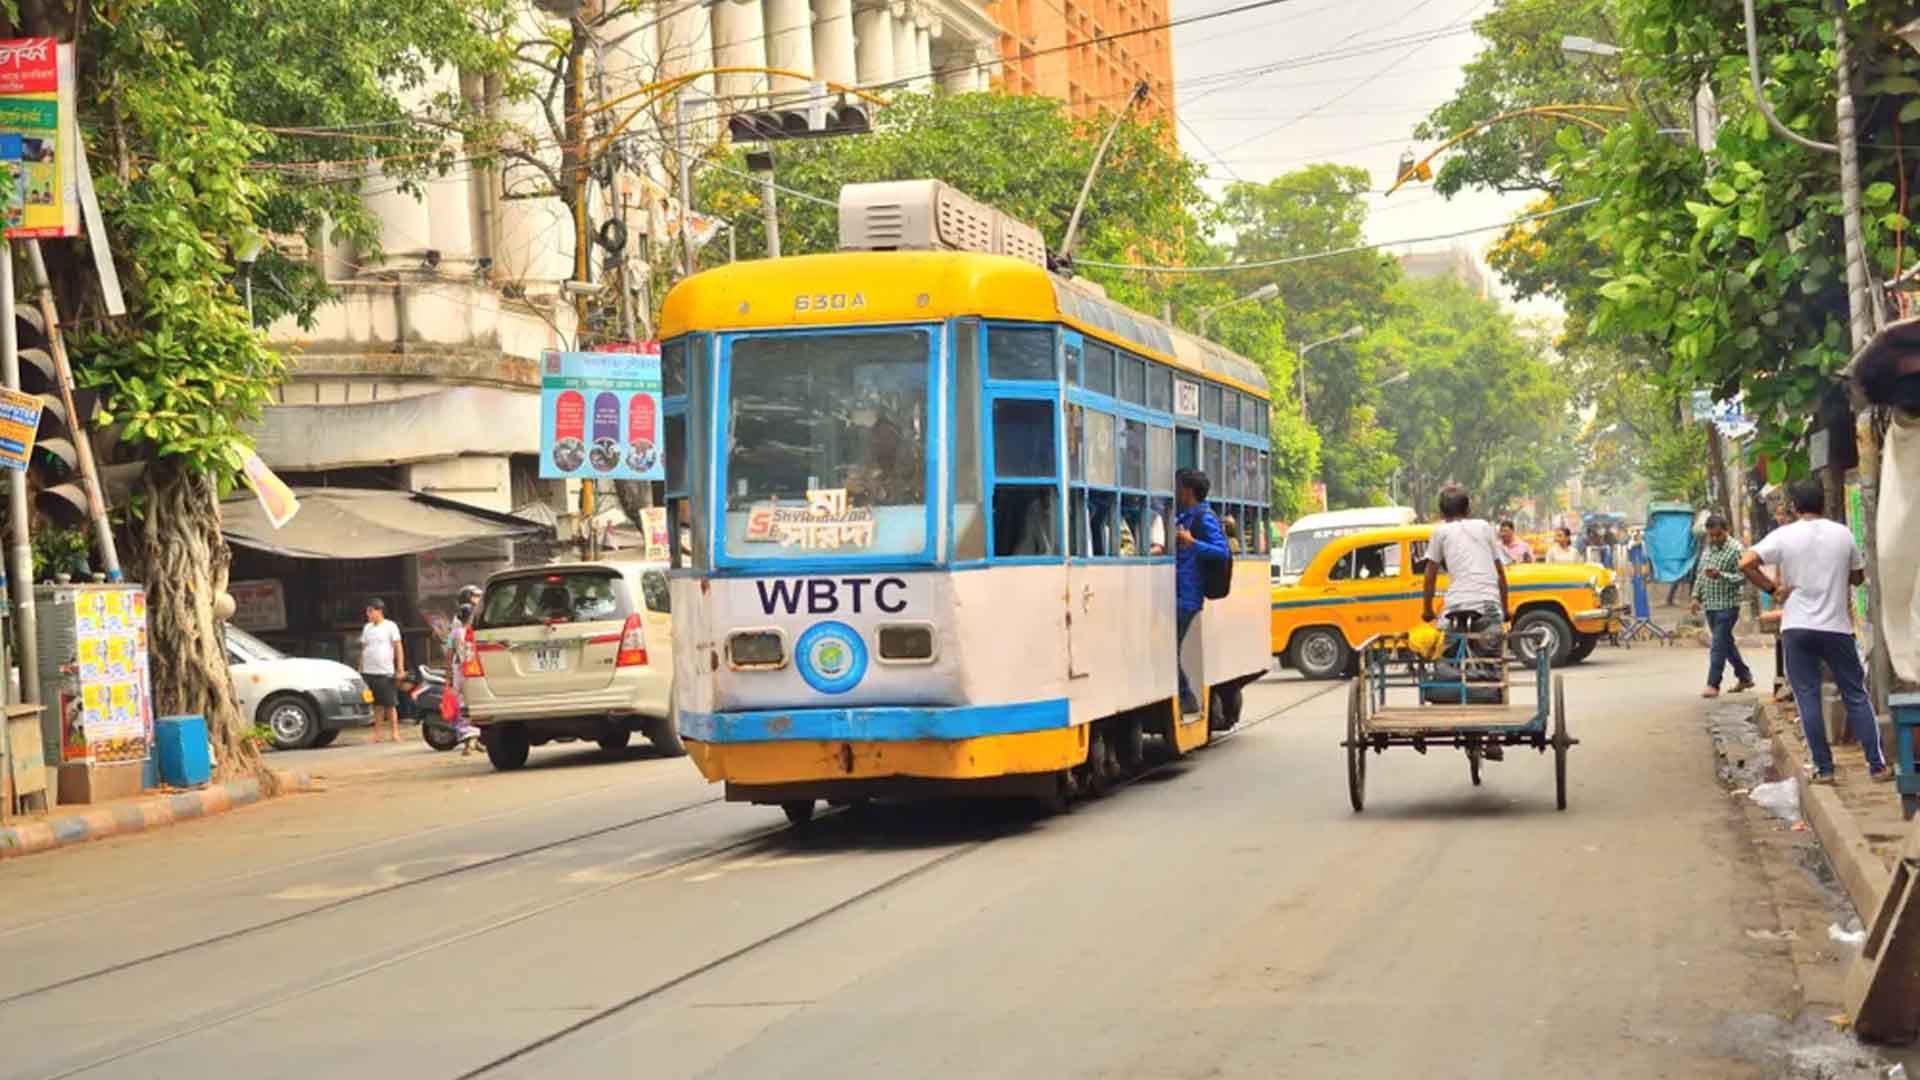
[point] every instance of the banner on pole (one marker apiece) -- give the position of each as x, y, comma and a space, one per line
600, 415
276, 498
38, 138
19, 423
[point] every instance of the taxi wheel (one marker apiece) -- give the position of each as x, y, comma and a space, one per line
1321, 652
1583, 648
1542, 630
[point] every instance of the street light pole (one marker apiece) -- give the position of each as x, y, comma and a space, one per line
1348, 334
1258, 296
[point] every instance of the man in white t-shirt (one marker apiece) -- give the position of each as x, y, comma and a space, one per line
1469, 553
382, 657
1816, 564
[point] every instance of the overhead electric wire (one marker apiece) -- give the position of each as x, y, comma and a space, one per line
1289, 260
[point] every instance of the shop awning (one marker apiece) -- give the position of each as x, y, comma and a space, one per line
359, 523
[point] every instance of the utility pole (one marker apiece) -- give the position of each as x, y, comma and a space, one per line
19, 540
684, 168
574, 162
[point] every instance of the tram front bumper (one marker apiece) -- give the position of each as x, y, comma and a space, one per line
956, 743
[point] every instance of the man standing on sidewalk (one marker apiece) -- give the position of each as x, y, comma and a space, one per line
1816, 562
382, 657
1717, 586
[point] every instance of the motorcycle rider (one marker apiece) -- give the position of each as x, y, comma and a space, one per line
468, 603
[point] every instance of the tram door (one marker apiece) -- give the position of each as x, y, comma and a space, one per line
1186, 455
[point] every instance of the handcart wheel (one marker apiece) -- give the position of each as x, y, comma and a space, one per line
1560, 741
1356, 750
1473, 762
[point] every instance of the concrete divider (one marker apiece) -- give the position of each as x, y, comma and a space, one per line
152, 812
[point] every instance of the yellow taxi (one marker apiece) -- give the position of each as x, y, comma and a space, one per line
1370, 582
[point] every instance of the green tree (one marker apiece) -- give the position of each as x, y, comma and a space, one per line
1312, 210
1479, 404
179, 95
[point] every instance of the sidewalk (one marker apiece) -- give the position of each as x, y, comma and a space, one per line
79, 824
1857, 820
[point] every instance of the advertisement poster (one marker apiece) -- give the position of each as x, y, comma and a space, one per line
19, 423
36, 108
107, 712
600, 416
654, 519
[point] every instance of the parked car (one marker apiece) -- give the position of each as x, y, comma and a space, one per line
301, 702
1370, 583
572, 651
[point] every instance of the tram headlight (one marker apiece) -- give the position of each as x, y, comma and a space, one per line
756, 649
907, 643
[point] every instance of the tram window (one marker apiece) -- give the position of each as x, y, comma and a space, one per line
1070, 353
1160, 459
1209, 403
834, 412
1133, 379
1076, 443
673, 368
1256, 480
1099, 368
1100, 523
1024, 523
1077, 537
1100, 450
1023, 443
1266, 480
1230, 518
969, 523
1136, 527
1212, 458
676, 452
1229, 409
1133, 454
1022, 352
1159, 388
1160, 526
1186, 449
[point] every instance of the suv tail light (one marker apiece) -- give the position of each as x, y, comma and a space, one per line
633, 644
470, 667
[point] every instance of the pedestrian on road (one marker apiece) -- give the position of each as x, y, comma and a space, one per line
1817, 563
1717, 592
1562, 549
1517, 550
382, 656
1197, 537
463, 728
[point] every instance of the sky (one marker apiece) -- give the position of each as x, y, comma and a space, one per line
1354, 78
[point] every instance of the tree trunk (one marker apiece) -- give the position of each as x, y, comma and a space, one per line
185, 559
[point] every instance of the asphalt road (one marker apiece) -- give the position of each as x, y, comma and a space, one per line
1227, 916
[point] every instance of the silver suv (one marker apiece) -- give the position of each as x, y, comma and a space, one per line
572, 651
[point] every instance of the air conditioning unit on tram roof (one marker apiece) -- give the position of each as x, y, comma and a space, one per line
928, 215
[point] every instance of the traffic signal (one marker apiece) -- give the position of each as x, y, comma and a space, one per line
53, 473
818, 115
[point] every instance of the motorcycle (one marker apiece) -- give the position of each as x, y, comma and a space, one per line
422, 690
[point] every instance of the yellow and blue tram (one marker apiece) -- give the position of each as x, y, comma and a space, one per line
924, 502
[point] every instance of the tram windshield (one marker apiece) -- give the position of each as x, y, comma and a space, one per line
827, 444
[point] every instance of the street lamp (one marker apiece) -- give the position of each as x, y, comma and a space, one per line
1258, 296
1576, 45
1348, 334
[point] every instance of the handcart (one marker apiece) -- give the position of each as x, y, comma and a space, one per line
1464, 699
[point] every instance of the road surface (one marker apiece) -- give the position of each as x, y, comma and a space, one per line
1226, 916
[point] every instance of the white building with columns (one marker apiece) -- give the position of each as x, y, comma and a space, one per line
422, 376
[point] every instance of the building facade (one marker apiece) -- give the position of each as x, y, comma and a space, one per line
1044, 47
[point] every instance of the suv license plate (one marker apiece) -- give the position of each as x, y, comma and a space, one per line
549, 659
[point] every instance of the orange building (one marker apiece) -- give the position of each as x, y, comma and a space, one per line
1036, 59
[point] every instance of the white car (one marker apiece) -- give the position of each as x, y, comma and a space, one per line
301, 702
572, 651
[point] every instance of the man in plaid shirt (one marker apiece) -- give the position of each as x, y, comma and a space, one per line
1717, 588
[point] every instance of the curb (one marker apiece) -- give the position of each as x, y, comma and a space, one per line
150, 813
1863, 874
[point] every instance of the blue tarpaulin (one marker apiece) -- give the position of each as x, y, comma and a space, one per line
1671, 545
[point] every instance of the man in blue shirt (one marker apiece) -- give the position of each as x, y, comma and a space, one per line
1198, 536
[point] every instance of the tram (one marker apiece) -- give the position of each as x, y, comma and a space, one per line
923, 499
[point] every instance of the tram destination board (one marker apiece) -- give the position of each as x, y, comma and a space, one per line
600, 416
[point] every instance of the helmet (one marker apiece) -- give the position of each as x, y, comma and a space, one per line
469, 594
1426, 641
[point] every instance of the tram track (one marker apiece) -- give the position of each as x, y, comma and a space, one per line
743, 846
347, 901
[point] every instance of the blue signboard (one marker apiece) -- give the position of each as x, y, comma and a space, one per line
600, 416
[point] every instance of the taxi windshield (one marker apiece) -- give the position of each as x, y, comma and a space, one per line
826, 444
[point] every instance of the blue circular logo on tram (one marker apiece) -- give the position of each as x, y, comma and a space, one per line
831, 657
